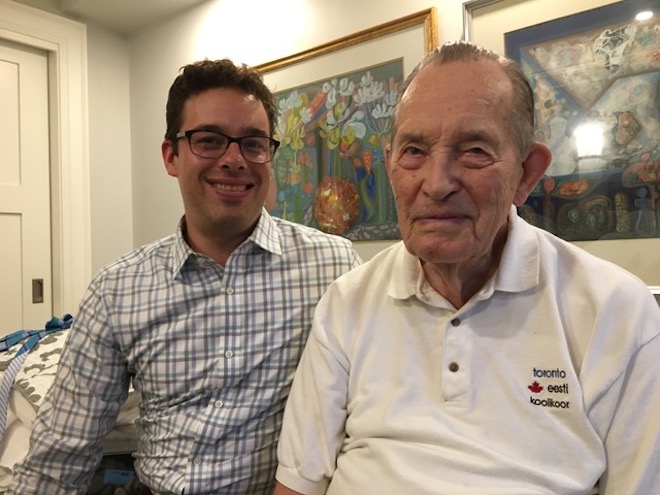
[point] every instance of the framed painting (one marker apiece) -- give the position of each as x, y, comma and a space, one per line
595, 77
488, 23
334, 116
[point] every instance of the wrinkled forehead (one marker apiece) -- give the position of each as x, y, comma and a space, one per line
482, 77
441, 86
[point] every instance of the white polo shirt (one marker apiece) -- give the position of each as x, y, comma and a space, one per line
546, 381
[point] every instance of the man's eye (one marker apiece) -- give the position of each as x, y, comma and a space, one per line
411, 157
476, 157
210, 140
413, 151
476, 151
256, 144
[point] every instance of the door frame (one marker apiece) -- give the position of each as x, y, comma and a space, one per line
65, 41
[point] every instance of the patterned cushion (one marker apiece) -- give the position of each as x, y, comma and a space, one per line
38, 370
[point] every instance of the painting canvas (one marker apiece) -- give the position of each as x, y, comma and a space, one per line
596, 72
330, 167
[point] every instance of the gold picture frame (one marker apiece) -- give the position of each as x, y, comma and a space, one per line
427, 19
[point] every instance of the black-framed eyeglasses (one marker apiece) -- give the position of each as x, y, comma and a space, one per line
213, 144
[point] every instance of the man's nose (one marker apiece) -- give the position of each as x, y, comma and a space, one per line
233, 157
441, 177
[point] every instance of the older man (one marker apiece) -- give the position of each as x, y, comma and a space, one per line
481, 355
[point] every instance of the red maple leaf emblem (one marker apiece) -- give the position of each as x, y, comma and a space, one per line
535, 387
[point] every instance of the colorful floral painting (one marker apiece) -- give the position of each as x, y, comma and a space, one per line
330, 167
598, 69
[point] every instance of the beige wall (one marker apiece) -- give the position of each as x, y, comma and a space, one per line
111, 195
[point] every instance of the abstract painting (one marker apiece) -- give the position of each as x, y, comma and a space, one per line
596, 72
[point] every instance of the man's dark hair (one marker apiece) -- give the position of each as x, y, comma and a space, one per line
207, 74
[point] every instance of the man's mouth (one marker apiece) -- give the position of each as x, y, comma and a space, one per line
231, 188
441, 216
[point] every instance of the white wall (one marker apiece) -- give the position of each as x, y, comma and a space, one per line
250, 31
111, 199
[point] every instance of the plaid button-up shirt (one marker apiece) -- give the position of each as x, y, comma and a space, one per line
211, 350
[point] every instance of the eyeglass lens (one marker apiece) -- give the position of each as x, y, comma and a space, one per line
213, 145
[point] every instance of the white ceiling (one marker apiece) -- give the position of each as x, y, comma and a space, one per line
121, 16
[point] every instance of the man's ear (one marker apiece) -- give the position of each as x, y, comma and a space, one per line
388, 157
167, 150
534, 166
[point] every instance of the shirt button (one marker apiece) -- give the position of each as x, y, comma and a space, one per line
229, 354
197, 461
453, 367
455, 322
229, 290
218, 403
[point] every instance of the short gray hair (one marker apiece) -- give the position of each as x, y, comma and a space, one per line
465, 51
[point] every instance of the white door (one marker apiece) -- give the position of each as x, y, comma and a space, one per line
25, 238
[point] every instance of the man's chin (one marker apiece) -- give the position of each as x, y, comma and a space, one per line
438, 251
235, 220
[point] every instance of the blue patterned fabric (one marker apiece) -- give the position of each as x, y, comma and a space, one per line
29, 339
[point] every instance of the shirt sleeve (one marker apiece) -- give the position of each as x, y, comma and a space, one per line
356, 260
78, 411
315, 415
631, 444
